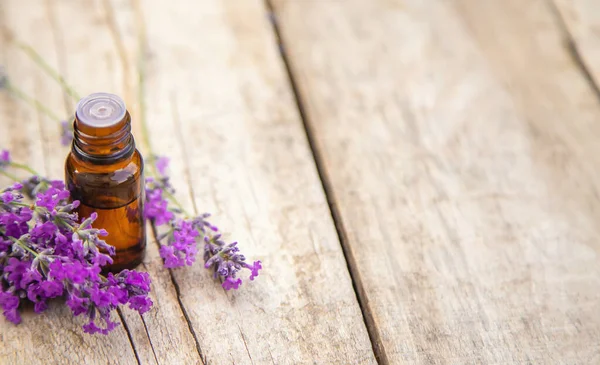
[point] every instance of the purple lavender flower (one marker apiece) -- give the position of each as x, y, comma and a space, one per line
140, 303
4, 159
253, 268
11, 194
89, 294
156, 207
231, 283
162, 163
66, 136
226, 262
15, 270
171, 260
202, 225
10, 303
45, 252
179, 245
50, 198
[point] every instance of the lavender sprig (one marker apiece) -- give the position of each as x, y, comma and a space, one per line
179, 244
46, 252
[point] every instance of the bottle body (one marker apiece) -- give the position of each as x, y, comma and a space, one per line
116, 194
105, 172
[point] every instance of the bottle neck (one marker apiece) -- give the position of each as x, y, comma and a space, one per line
103, 145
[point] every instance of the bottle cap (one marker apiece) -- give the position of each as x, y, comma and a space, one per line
101, 110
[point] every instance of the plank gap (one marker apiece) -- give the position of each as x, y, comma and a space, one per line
148, 333
141, 90
181, 306
368, 319
572, 50
137, 357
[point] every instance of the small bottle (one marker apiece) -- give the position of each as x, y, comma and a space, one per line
104, 171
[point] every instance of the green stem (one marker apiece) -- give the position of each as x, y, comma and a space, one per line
24, 246
28, 249
65, 224
39, 60
24, 167
32, 101
10, 176
20, 204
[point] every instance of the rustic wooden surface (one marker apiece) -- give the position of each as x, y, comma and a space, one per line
455, 144
458, 141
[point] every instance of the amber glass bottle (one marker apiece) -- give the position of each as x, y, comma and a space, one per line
104, 171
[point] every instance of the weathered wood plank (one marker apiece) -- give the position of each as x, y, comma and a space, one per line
582, 22
219, 104
214, 74
459, 140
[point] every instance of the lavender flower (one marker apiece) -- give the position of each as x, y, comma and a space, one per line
46, 253
4, 159
33, 185
226, 261
161, 165
179, 244
66, 136
157, 206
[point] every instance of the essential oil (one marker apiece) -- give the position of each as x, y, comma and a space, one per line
104, 171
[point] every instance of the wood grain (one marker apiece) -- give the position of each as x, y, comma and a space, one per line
581, 19
219, 104
459, 142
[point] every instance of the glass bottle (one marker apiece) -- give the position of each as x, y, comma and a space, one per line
104, 171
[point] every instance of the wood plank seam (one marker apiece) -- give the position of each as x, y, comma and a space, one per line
181, 307
126, 327
146, 328
179, 136
573, 51
449, 155
374, 337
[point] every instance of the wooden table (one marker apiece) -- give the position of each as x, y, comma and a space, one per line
419, 177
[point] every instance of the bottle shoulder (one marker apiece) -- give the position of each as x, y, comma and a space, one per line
125, 171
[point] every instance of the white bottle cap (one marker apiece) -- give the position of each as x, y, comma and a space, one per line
101, 110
